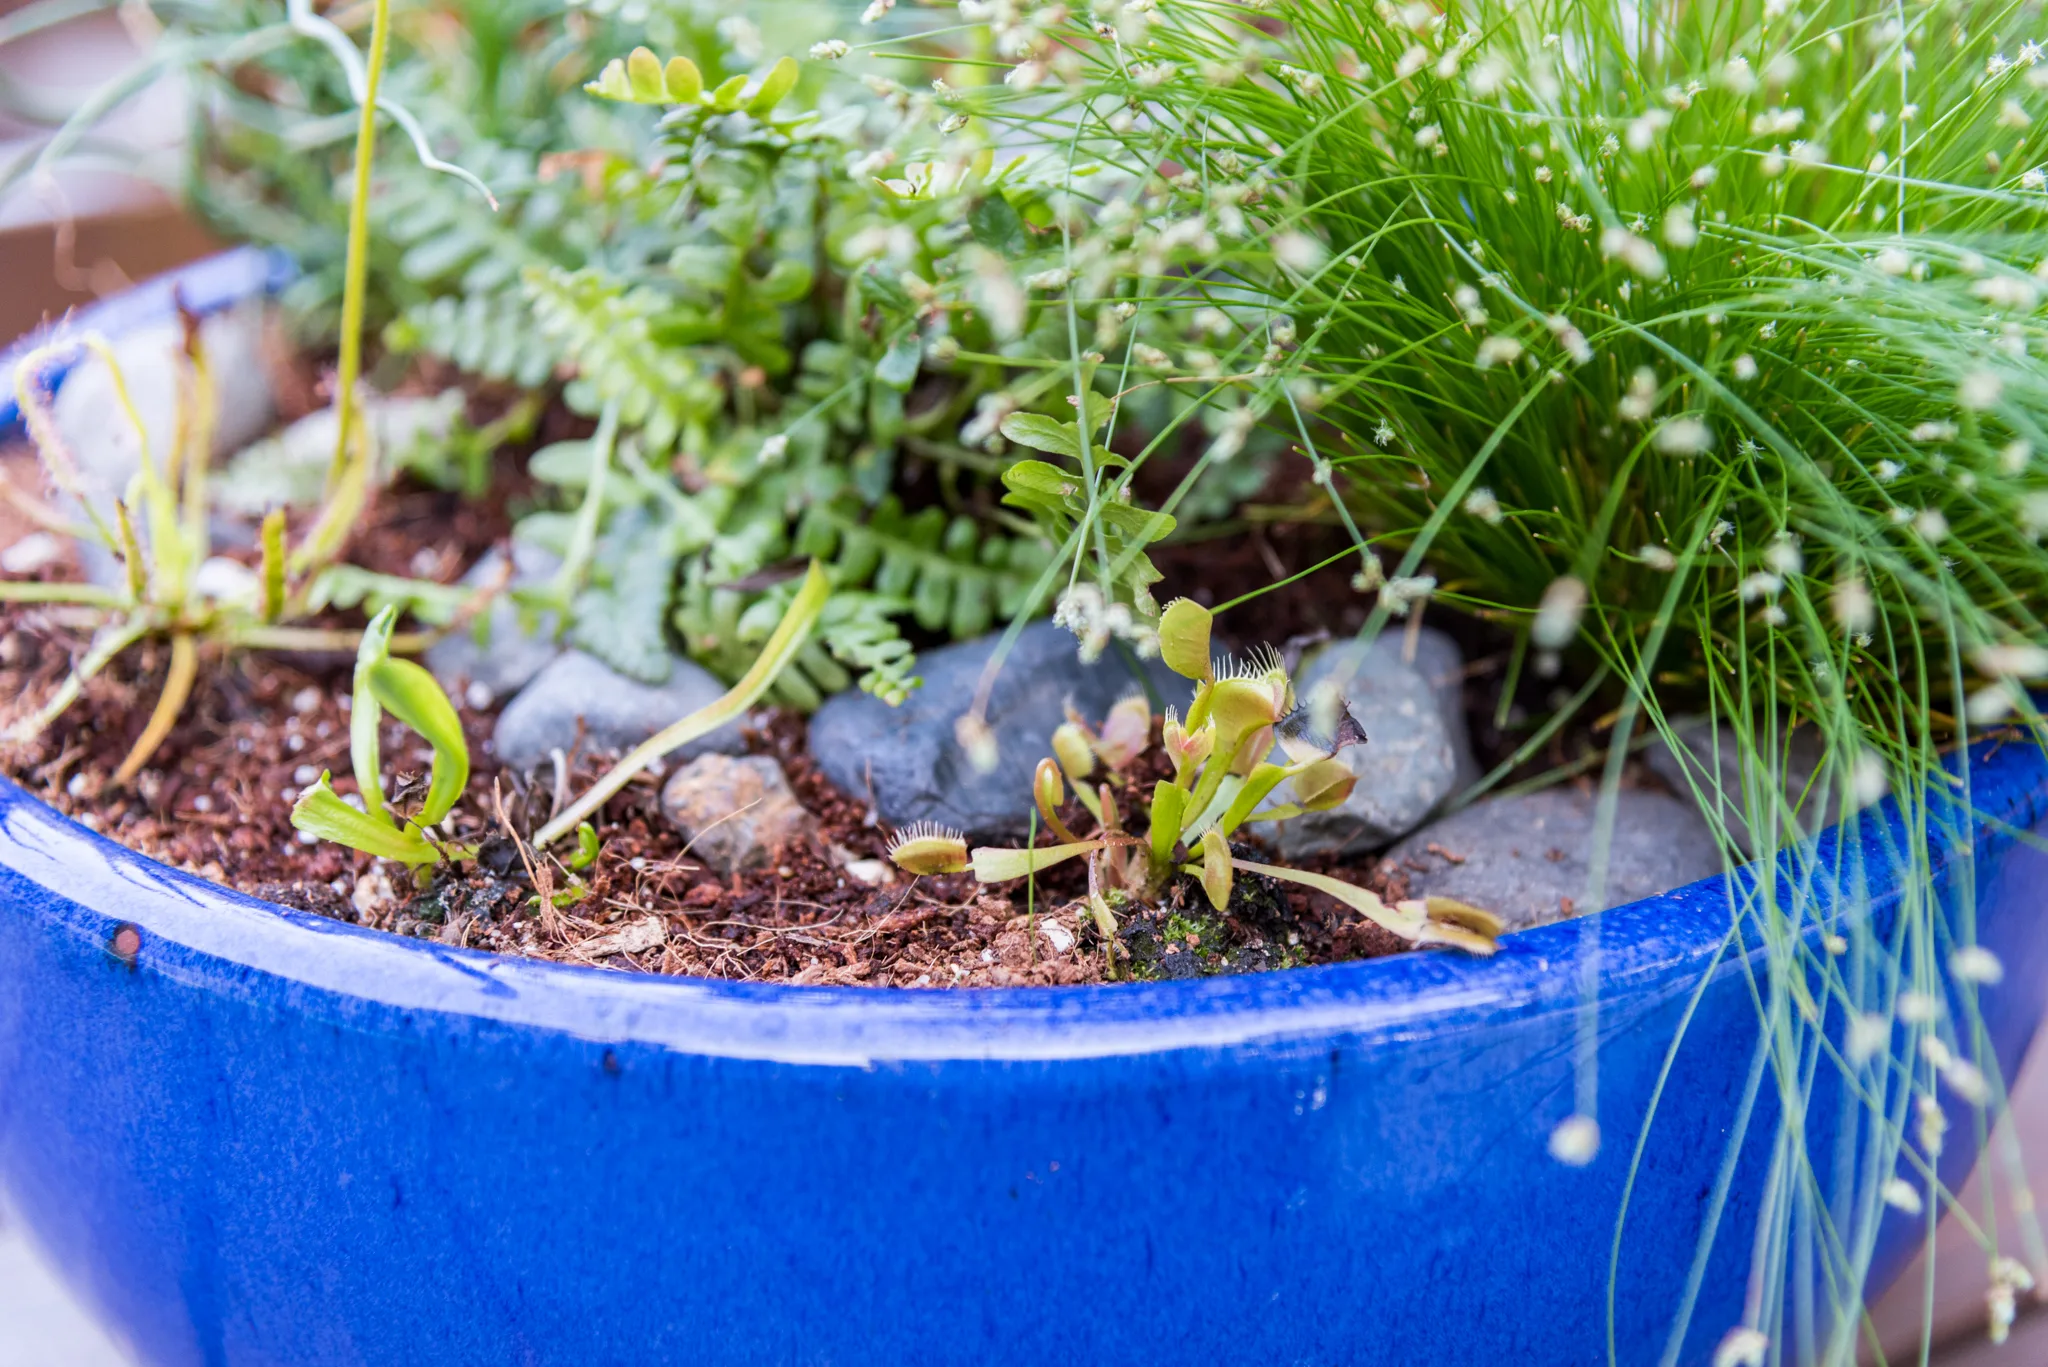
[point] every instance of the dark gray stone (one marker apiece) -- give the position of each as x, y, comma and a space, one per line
1711, 777
515, 646
1416, 754
617, 713
1525, 858
908, 758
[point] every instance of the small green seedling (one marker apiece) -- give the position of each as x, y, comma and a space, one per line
409, 693
1222, 780
586, 849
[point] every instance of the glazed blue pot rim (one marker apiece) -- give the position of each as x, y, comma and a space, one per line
208, 936
205, 286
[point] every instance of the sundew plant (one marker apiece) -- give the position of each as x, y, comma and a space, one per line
1697, 344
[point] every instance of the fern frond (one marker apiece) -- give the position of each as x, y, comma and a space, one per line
606, 330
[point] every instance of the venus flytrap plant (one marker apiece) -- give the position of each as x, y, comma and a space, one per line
410, 694
1222, 781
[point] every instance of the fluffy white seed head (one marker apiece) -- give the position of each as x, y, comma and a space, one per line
1976, 964
1558, 614
1576, 1141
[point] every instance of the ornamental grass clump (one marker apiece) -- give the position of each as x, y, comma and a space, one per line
1699, 346
1222, 781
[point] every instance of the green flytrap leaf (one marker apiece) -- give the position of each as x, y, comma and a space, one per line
412, 695
322, 812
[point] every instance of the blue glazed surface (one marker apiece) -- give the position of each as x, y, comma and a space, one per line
206, 286
273, 1138
270, 1138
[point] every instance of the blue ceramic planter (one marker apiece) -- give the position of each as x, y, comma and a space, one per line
254, 1136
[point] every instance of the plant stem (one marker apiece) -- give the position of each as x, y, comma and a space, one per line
355, 275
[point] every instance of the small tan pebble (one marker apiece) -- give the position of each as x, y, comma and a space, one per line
735, 812
872, 873
636, 938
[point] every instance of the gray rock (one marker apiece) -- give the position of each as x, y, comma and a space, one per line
736, 813
506, 647
1416, 753
103, 441
908, 757
616, 712
92, 420
1713, 766
1525, 858
289, 468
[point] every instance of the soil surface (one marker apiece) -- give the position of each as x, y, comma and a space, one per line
216, 801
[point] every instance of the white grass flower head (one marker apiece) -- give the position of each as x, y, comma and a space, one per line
1783, 556
1637, 253
2016, 660
1683, 436
1980, 389
2014, 293
1482, 504
1760, 585
2012, 460
1902, 1196
1467, 300
1055, 279
1703, 177
1869, 1035
1680, 232
1487, 78
1002, 301
1576, 1141
1868, 780
774, 449
1930, 1125
1658, 558
1558, 613
1298, 251
1918, 1008
1967, 1081
1930, 524
1744, 367
1976, 964
1570, 338
1413, 60
1640, 400
831, 50
1742, 1346
1892, 261
1933, 431
875, 10
1497, 350
1402, 592
1990, 705
2034, 514
1736, 77
2008, 1277
1644, 130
